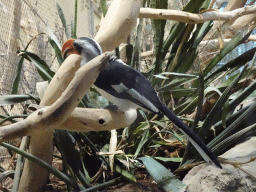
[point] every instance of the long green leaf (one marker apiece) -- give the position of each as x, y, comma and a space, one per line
159, 26
233, 127
14, 99
237, 40
53, 39
211, 118
162, 176
75, 21
193, 6
237, 62
233, 139
19, 165
96, 187
41, 163
63, 20
16, 82
143, 140
40, 65
68, 144
242, 96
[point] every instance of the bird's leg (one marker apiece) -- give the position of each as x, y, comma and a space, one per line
113, 108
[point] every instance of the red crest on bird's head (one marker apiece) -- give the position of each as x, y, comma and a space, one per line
68, 48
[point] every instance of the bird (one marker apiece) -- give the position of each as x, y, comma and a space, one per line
129, 90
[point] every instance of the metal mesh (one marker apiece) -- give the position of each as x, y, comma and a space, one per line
23, 20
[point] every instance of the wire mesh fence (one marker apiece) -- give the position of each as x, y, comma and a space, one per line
24, 20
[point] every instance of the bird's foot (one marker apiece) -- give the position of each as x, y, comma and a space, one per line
113, 108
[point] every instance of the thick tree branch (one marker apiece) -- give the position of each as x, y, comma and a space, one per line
53, 116
191, 18
117, 25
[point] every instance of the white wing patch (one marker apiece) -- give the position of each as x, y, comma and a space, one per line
142, 99
120, 61
121, 88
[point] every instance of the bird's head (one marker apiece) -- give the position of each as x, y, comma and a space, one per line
84, 46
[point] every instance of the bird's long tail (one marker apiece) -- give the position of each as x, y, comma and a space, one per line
192, 137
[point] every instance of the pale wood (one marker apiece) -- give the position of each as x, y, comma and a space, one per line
46, 119
87, 119
147, 54
192, 18
118, 23
34, 177
234, 4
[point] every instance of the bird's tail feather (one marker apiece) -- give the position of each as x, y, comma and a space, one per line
192, 137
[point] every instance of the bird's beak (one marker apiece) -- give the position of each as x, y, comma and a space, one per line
68, 48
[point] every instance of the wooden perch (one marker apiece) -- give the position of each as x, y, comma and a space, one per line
41, 124
118, 23
53, 116
192, 18
88, 119
115, 28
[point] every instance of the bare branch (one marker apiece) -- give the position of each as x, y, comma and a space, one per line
191, 18
118, 23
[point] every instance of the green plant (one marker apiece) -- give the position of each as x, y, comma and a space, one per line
149, 137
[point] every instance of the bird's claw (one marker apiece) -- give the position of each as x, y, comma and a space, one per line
113, 108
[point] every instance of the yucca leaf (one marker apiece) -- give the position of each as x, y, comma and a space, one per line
68, 145
104, 7
166, 159
162, 176
211, 118
237, 40
225, 113
19, 165
159, 26
40, 65
53, 39
179, 75
242, 96
14, 99
105, 184
192, 6
143, 140
190, 104
178, 93
237, 62
223, 145
74, 29
17, 78
16, 82
41, 163
125, 173
176, 82
63, 20
233, 127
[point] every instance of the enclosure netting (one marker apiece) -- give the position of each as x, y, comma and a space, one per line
23, 20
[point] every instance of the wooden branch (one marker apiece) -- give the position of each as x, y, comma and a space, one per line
55, 115
34, 177
213, 42
88, 119
41, 124
192, 18
117, 25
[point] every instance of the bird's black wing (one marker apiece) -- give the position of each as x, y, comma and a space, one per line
122, 81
